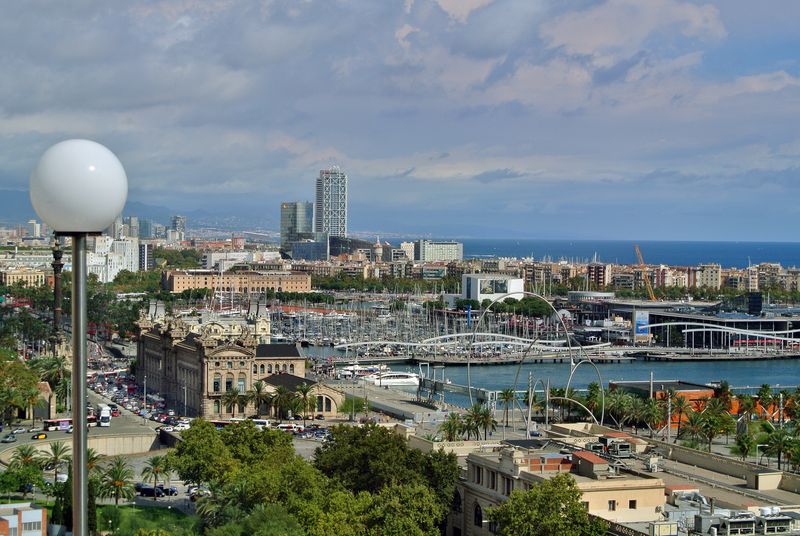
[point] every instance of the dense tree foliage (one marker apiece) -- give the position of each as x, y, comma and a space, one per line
552, 508
177, 258
265, 488
369, 458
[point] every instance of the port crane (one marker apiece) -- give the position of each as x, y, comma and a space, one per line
645, 275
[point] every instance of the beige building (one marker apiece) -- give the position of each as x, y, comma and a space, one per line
247, 282
709, 276
492, 476
192, 363
27, 276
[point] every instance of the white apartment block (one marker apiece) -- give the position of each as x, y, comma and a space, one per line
109, 257
432, 251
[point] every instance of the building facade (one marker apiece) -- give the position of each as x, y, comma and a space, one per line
22, 519
192, 364
248, 282
431, 251
24, 276
709, 276
330, 214
491, 477
297, 221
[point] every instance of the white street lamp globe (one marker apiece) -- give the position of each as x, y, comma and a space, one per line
78, 186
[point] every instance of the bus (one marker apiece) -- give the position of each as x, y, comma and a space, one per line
54, 425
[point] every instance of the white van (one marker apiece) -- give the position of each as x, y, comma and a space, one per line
261, 424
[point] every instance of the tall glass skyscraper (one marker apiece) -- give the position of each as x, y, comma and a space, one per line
331, 207
297, 220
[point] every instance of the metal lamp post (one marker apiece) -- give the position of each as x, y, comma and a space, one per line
78, 188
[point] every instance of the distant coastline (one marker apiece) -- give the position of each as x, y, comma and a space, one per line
674, 253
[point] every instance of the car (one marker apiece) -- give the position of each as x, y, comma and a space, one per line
70, 429
18, 431
8, 438
150, 491
167, 429
138, 487
181, 427
40, 435
34, 429
196, 493
170, 491
115, 413
320, 417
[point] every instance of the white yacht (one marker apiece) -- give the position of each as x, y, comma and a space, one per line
390, 378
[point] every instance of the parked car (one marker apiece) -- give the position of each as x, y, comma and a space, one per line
8, 438
320, 417
150, 491
170, 491
39, 436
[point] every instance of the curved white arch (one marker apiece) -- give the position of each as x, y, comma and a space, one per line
525, 354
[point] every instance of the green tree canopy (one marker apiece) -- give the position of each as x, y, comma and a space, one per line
552, 508
202, 456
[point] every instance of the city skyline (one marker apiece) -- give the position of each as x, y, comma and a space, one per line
451, 119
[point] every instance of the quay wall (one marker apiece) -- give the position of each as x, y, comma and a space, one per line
111, 445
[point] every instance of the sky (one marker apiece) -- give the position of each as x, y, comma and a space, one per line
615, 119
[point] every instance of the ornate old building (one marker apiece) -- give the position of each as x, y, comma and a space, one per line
192, 362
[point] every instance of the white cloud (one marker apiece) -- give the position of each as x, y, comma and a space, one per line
402, 35
619, 28
459, 10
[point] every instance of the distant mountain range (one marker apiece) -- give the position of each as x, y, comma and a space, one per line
15, 208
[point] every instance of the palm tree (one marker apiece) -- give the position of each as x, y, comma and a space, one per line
155, 468
32, 399
303, 392
507, 397
26, 456
62, 391
747, 404
486, 421
651, 414
779, 441
724, 394
764, 395
259, 396
117, 480
593, 397
716, 407
93, 460
57, 456
231, 399
282, 399
472, 421
620, 407
694, 424
452, 427
743, 445
682, 407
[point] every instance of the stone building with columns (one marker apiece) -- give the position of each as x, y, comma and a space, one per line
193, 361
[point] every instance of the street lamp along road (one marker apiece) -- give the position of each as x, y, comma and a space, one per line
78, 188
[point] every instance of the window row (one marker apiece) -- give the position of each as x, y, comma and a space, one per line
241, 384
506, 483
262, 369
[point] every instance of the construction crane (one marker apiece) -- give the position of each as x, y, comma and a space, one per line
645, 275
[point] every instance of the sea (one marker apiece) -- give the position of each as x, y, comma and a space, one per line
674, 253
